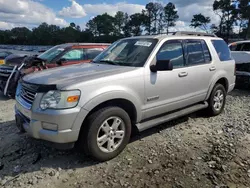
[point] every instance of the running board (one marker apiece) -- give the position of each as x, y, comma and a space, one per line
160, 120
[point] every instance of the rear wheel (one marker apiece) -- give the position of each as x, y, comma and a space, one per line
217, 100
106, 134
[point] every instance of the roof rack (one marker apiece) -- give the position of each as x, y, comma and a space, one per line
194, 33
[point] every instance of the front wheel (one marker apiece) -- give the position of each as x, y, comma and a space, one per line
106, 134
217, 100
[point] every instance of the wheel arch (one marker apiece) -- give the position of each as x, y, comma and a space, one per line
222, 80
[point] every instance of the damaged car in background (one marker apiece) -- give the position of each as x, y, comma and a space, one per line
241, 53
60, 55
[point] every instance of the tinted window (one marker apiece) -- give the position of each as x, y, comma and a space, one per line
222, 50
206, 52
74, 55
195, 54
246, 47
172, 51
93, 52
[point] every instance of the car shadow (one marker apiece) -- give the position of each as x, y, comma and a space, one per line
33, 155
3, 98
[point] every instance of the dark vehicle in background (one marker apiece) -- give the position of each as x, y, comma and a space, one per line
3, 55
60, 55
15, 59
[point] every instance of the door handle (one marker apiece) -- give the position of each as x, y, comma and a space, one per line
212, 68
183, 74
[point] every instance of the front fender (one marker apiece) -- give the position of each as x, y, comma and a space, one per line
111, 95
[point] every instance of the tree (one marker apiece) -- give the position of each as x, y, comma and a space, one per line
151, 17
227, 12
244, 12
101, 25
136, 23
72, 24
200, 21
119, 22
126, 28
20, 35
171, 15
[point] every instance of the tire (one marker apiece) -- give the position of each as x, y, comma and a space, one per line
19, 124
97, 128
213, 109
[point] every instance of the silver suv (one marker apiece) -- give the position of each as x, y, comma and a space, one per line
136, 83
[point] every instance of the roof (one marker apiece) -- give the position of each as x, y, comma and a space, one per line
87, 44
161, 37
240, 42
180, 34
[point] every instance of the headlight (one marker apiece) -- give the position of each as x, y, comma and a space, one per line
60, 99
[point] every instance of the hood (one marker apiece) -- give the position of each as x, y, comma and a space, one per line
14, 59
73, 74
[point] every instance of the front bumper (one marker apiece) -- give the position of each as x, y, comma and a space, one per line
38, 124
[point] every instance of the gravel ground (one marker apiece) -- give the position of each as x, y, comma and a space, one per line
193, 151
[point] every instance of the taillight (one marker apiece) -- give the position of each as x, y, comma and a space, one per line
235, 69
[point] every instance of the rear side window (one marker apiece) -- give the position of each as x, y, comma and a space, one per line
195, 55
93, 52
206, 52
246, 47
222, 50
172, 51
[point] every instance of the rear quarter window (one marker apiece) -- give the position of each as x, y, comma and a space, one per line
222, 50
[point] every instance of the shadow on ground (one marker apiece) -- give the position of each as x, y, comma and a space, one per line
3, 98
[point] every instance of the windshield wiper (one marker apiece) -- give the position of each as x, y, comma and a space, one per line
108, 62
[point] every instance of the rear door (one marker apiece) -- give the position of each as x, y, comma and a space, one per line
200, 67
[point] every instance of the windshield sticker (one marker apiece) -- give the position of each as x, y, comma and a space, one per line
143, 43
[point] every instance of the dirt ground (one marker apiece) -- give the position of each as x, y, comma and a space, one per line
193, 151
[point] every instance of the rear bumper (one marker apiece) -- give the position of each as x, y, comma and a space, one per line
48, 126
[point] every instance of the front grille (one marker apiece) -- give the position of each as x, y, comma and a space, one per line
5, 72
27, 94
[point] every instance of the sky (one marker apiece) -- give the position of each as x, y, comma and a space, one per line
31, 13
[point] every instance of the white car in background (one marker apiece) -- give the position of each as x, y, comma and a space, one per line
240, 52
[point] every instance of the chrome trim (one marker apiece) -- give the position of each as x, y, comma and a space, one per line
7, 83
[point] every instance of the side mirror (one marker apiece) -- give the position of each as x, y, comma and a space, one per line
61, 61
162, 65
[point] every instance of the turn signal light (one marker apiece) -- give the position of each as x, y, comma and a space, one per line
73, 98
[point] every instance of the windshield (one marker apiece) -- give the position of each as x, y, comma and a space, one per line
51, 53
128, 52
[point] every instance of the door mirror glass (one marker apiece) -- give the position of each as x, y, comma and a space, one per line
162, 65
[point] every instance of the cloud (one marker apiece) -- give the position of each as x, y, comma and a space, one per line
27, 12
74, 11
111, 9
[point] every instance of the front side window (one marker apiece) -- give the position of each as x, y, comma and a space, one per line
195, 54
132, 52
222, 50
172, 51
74, 55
